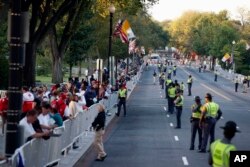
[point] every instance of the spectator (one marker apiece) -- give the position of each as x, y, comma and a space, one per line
90, 95
56, 117
28, 99
44, 117
29, 131
3, 109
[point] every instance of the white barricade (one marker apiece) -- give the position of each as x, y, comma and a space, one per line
40, 152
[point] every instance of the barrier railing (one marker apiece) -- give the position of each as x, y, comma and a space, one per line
39, 152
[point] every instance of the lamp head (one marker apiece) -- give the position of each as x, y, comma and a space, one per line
233, 42
112, 8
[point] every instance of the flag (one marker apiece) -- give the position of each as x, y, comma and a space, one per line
127, 29
226, 57
124, 31
118, 32
132, 45
20, 159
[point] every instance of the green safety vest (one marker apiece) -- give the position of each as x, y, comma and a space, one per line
174, 68
179, 102
171, 92
122, 93
197, 113
212, 109
168, 81
220, 153
169, 71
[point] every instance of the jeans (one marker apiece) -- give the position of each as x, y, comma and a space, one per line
189, 89
178, 116
122, 101
194, 128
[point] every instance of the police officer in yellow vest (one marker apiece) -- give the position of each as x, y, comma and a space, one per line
210, 114
178, 105
167, 82
122, 96
220, 149
171, 97
195, 119
169, 73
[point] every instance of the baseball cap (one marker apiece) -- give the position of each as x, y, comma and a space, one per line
209, 96
197, 98
231, 126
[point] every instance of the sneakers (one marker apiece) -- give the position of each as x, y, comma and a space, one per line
101, 159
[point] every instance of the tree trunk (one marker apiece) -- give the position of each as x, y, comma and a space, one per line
57, 75
80, 69
30, 65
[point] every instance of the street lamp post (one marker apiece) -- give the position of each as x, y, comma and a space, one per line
110, 69
233, 62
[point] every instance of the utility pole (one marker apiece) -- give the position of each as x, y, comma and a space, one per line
17, 37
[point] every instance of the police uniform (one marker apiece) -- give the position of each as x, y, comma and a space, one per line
171, 97
122, 95
220, 149
167, 82
178, 105
211, 113
174, 71
236, 81
195, 119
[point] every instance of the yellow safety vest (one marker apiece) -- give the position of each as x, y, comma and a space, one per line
212, 109
122, 92
168, 81
180, 102
171, 92
196, 114
182, 86
221, 153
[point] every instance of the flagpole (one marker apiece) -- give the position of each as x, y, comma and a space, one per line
111, 12
233, 56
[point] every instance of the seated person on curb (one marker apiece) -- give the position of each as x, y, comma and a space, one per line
29, 132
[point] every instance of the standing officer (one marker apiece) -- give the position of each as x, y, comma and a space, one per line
167, 83
220, 149
236, 81
171, 97
190, 82
210, 114
169, 73
178, 105
174, 70
182, 87
195, 119
162, 79
215, 75
122, 96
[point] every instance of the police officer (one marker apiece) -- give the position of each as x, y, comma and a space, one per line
236, 82
122, 96
220, 149
215, 75
171, 98
210, 113
167, 82
190, 82
174, 70
182, 87
195, 119
169, 73
178, 105
162, 79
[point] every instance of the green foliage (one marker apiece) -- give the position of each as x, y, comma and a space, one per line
44, 63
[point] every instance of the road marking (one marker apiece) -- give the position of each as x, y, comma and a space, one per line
237, 127
167, 115
185, 161
171, 124
176, 138
189, 74
161, 96
160, 92
225, 97
165, 108
221, 117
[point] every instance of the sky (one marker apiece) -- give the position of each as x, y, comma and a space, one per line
172, 9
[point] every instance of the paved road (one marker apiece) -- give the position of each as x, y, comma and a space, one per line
146, 137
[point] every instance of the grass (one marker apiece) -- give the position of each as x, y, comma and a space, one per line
48, 79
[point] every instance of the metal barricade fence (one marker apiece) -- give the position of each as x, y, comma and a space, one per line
39, 152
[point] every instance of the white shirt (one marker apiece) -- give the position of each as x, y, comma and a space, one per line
44, 120
28, 128
28, 96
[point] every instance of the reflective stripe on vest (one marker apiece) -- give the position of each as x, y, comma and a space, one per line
122, 93
180, 103
171, 92
212, 109
220, 153
196, 114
